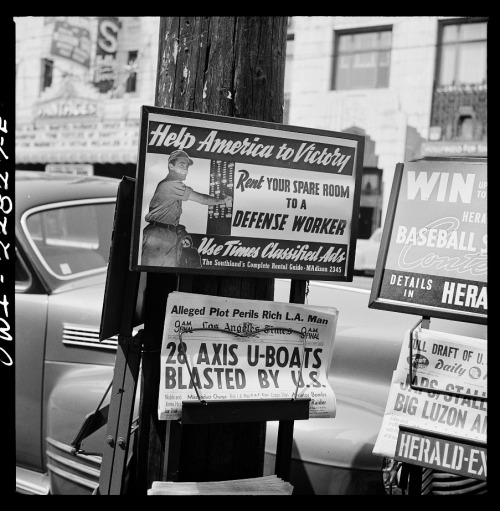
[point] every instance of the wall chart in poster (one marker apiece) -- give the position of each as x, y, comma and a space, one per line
225, 195
433, 258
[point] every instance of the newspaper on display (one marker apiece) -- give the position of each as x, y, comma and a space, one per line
452, 360
453, 365
218, 348
265, 485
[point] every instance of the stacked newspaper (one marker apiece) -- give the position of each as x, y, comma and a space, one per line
446, 393
267, 485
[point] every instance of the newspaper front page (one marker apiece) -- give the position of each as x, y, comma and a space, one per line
218, 348
441, 362
452, 360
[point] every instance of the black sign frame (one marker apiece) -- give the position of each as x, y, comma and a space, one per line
383, 275
335, 147
463, 444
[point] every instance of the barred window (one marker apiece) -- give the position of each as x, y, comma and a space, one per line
362, 59
462, 53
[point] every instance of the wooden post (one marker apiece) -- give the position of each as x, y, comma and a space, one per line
151, 433
231, 66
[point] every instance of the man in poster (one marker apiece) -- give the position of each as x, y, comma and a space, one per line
164, 239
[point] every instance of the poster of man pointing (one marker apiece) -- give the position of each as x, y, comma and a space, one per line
233, 196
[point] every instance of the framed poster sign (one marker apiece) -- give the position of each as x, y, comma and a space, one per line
240, 197
433, 258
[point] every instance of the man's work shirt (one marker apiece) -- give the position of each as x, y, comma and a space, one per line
166, 204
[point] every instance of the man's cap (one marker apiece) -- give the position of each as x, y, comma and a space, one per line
179, 154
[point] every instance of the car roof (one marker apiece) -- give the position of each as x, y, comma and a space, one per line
38, 188
35, 188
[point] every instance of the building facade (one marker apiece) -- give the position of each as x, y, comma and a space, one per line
414, 86
80, 84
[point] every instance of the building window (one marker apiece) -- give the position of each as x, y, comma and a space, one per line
465, 129
370, 184
462, 53
362, 59
131, 85
47, 74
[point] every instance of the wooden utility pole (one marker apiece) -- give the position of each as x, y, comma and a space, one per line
231, 66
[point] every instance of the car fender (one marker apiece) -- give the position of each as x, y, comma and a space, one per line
333, 456
347, 444
76, 391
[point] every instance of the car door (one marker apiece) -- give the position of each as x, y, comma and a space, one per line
30, 328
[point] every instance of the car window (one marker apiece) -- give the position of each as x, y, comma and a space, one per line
72, 239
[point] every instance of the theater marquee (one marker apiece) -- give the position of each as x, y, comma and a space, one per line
279, 200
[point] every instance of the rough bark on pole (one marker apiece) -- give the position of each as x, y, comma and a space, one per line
231, 66
151, 433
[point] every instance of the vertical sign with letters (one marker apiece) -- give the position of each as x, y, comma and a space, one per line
7, 242
107, 46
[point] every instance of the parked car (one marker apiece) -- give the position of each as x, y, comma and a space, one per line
365, 260
63, 227
334, 456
